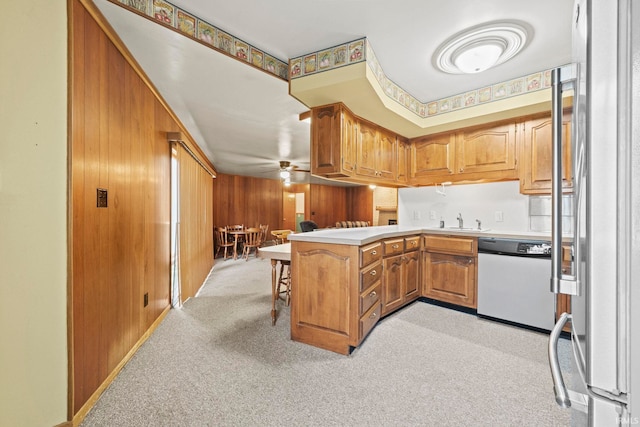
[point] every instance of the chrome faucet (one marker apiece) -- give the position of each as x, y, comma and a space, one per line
459, 220
479, 224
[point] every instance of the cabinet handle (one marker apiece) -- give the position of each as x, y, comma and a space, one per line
470, 261
374, 252
414, 243
461, 169
395, 246
373, 273
373, 315
373, 294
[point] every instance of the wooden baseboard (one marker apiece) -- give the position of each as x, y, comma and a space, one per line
82, 412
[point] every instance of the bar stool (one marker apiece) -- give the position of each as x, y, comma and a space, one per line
283, 286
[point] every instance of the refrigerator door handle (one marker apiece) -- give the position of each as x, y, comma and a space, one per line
560, 390
561, 78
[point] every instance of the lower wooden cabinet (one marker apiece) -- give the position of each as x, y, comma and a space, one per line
563, 301
563, 305
400, 280
450, 278
392, 295
449, 270
339, 292
411, 286
335, 296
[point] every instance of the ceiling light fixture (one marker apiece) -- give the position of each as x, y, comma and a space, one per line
285, 174
482, 47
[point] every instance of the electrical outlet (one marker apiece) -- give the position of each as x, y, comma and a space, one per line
416, 214
432, 215
498, 216
101, 198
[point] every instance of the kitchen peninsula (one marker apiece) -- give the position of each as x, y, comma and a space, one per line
345, 280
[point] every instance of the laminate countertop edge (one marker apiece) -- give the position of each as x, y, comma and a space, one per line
364, 235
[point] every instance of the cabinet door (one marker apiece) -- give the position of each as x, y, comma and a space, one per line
433, 156
386, 155
450, 278
349, 141
411, 277
489, 149
366, 150
404, 153
392, 295
325, 140
535, 173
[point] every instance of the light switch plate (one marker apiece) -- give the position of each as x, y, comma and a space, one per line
498, 216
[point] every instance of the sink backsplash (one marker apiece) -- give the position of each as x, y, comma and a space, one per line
498, 205
540, 213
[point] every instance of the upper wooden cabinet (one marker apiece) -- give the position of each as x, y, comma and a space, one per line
487, 150
376, 152
333, 141
432, 156
349, 148
404, 160
536, 154
482, 153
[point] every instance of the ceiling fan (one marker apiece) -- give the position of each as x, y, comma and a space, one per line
286, 168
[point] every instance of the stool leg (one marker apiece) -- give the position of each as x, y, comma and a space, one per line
288, 297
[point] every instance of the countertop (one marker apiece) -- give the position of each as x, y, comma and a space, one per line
363, 235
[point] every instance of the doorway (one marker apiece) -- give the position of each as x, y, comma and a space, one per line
292, 210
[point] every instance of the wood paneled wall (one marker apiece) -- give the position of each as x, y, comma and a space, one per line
247, 200
251, 201
121, 252
196, 223
328, 205
360, 207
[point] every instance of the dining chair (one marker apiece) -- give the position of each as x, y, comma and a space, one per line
251, 241
238, 238
308, 225
281, 235
264, 228
223, 240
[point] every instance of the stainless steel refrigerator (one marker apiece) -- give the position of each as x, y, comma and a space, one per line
604, 284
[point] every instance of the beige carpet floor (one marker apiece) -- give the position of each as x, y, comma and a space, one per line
218, 361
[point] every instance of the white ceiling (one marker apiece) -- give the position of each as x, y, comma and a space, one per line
244, 119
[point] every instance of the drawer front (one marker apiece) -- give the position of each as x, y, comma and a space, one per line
411, 243
370, 254
369, 320
370, 297
393, 246
451, 244
370, 275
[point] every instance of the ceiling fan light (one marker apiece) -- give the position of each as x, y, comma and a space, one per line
285, 174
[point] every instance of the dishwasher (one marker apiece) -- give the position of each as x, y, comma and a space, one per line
514, 281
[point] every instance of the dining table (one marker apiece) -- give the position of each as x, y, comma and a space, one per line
277, 254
